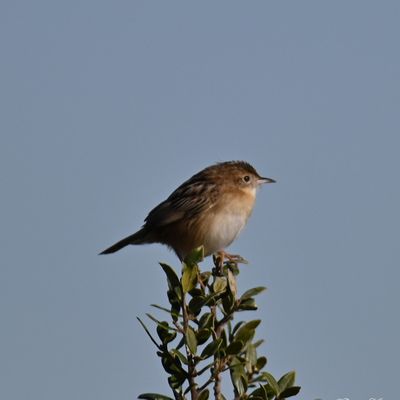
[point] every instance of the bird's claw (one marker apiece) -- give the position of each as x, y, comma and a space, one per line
236, 258
221, 256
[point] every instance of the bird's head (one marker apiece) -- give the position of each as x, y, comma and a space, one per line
240, 175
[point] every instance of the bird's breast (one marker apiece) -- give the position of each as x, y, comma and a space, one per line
226, 222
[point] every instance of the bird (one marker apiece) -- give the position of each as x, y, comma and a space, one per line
209, 209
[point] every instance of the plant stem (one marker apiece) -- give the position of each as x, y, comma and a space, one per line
218, 366
191, 365
177, 395
219, 363
217, 385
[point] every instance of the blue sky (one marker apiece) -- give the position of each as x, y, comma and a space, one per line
108, 106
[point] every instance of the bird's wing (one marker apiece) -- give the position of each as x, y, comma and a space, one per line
190, 199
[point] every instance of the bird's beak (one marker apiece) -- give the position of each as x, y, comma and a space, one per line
265, 180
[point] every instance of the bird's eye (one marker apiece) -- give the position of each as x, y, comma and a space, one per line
246, 178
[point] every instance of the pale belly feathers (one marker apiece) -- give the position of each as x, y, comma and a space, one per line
226, 225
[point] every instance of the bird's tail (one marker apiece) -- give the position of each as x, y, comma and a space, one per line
140, 237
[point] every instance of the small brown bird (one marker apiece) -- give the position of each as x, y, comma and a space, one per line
209, 209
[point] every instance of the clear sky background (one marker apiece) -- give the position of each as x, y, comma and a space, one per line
106, 107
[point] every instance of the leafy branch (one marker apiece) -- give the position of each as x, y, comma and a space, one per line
200, 343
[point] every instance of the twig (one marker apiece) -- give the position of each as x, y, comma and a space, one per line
208, 382
191, 365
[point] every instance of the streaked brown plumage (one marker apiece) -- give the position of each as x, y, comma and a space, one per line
208, 209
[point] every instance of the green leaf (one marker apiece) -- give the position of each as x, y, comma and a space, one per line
173, 282
252, 292
196, 304
232, 283
287, 380
148, 333
258, 343
289, 392
204, 395
234, 348
195, 256
236, 327
270, 391
246, 332
178, 292
190, 340
156, 320
161, 308
234, 268
224, 343
163, 324
175, 381
251, 324
178, 354
210, 349
263, 377
203, 335
189, 277
259, 378
172, 364
247, 305
211, 299
153, 396
272, 382
260, 393
205, 276
261, 362
265, 392
175, 305
164, 333
239, 382
251, 357
238, 376
220, 284
196, 292
206, 321
175, 312
228, 302
173, 298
